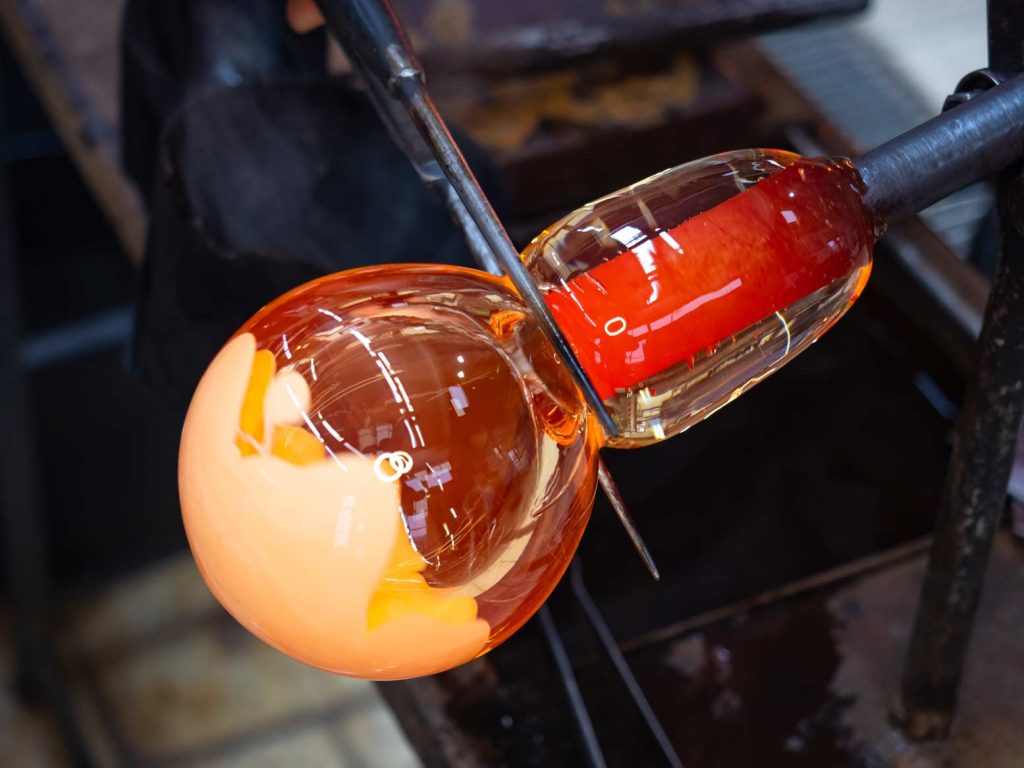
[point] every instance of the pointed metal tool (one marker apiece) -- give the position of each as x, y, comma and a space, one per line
611, 490
377, 46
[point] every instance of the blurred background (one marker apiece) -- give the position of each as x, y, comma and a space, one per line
131, 135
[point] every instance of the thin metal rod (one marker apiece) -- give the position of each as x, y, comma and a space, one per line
986, 436
405, 135
454, 165
963, 145
611, 490
580, 713
373, 37
478, 247
607, 640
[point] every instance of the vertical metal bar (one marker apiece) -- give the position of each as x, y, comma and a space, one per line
974, 497
585, 726
611, 648
1006, 36
985, 446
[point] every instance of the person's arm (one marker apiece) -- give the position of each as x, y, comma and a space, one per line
303, 15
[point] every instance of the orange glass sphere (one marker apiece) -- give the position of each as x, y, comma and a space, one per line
385, 472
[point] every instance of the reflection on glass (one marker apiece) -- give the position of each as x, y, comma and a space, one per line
680, 292
385, 472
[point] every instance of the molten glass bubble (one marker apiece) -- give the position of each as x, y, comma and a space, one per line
684, 290
386, 471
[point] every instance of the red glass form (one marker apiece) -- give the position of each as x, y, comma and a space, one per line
680, 292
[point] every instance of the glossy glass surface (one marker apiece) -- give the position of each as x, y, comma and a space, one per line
682, 291
386, 471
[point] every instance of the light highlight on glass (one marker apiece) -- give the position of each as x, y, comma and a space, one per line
680, 292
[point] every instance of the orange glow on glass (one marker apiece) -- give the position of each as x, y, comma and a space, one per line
696, 284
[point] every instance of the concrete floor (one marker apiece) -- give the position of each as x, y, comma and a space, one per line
26, 737
162, 676
873, 619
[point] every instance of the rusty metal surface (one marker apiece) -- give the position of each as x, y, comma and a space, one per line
986, 444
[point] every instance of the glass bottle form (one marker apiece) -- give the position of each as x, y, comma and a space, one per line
385, 472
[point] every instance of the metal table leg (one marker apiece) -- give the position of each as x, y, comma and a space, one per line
986, 441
